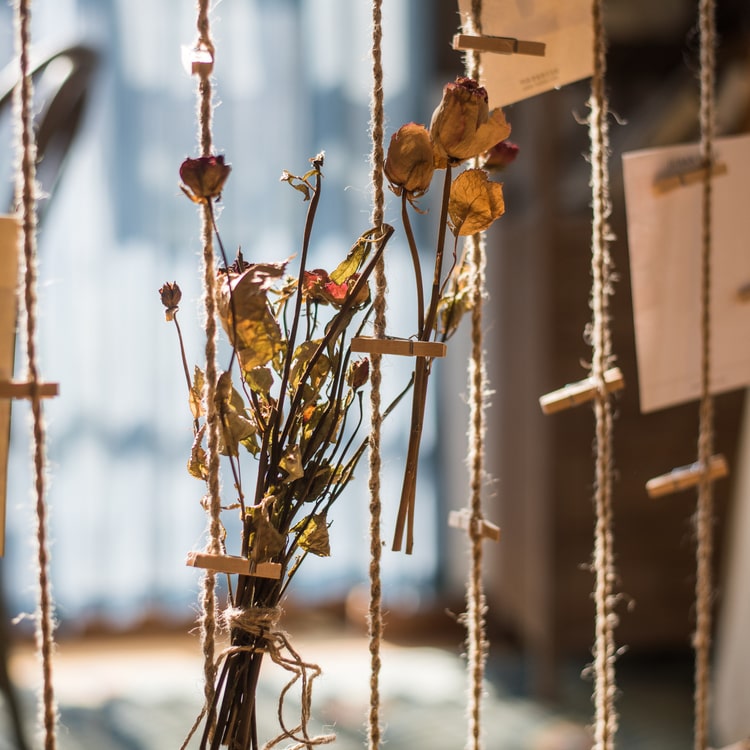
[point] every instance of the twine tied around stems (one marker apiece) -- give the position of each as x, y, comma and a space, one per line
262, 624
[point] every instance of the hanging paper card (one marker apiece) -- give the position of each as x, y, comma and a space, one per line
8, 284
663, 194
566, 30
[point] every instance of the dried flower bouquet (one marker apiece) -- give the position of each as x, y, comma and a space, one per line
292, 393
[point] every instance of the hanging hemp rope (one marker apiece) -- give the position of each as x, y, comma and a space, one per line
476, 607
704, 510
375, 617
26, 199
605, 719
208, 585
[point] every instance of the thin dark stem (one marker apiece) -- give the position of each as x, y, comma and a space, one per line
415, 260
185, 367
435, 296
291, 341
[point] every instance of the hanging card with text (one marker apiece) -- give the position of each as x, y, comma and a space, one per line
663, 195
565, 28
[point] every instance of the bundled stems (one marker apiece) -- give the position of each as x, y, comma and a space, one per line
405, 517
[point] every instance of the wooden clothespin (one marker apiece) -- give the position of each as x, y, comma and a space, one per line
460, 519
12, 389
580, 392
233, 564
197, 60
690, 176
401, 347
503, 45
685, 477
743, 293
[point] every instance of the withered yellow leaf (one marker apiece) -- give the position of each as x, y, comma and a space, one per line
314, 537
291, 463
475, 202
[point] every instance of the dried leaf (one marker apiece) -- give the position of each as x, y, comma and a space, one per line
195, 397
265, 540
260, 379
255, 333
314, 535
291, 463
475, 202
318, 373
198, 462
355, 258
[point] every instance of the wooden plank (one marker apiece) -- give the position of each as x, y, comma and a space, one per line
9, 233
233, 564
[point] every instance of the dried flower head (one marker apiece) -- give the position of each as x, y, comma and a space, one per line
203, 178
409, 162
170, 298
499, 156
462, 126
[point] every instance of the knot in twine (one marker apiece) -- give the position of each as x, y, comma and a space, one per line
262, 623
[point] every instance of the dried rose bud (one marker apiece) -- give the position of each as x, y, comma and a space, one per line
170, 298
499, 156
462, 125
204, 177
409, 163
359, 372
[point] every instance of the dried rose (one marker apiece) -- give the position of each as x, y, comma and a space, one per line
462, 125
409, 162
170, 298
204, 177
318, 286
499, 156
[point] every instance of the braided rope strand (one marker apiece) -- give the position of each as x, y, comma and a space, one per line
208, 584
375, 616
476, 607
605, 720
704, 508
26, 198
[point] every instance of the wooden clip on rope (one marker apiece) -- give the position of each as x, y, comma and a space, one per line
401, 347
580, 392
10, 389
461, 519
233, 564
684, 477
503, 45
197, 60
693, 176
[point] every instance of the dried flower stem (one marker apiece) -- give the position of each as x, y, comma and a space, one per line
405, 517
